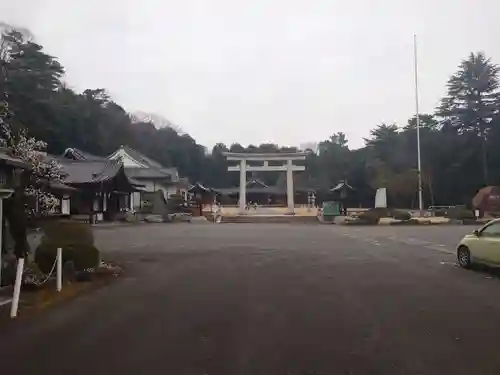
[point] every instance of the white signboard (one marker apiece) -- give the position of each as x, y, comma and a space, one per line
65, 206
381, 198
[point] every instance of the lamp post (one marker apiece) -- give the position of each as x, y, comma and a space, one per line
417, 117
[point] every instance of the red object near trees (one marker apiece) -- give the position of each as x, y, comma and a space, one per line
487, 199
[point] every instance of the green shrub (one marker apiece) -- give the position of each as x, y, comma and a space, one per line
76, 241
68, 232
46, 253
460, 213
382, 211
83, 256
402, 215
370, 217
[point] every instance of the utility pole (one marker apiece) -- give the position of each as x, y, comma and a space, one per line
417, 117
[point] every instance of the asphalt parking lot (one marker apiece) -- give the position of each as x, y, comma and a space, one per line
271, 299
197, 237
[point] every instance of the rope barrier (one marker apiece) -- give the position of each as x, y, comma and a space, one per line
51, 271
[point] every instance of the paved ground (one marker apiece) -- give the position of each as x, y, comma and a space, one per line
271, 300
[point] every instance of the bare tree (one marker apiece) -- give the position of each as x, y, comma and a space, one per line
157, 120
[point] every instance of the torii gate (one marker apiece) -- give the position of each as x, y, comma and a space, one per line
288, 167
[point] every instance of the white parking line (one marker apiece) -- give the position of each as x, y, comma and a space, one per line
416, 241
454, 264
406, 241
5, 302
440, 248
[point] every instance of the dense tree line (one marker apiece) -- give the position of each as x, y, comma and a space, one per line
459, 141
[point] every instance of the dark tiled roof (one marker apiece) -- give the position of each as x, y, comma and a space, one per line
135, 182
152, 170
61, 187
80, 172
138, 172
199, 187
341, 185
77, 154
256, 183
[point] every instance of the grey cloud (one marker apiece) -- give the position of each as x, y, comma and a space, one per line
263, 70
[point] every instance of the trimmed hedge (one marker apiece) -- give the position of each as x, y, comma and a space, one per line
76, 241
401, 215
68, 232
460, 213
83, 256
408, 222
370, 217
373, 216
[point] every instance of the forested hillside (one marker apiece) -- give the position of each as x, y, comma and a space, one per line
460, 140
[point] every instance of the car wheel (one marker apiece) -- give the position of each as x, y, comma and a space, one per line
463, 255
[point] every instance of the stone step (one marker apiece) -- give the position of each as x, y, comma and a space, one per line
270, 219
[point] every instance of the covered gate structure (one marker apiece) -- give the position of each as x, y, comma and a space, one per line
286, 161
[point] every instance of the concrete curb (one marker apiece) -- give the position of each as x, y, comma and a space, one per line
423, 223
123, 225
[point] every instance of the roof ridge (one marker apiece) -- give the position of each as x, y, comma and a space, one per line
145, 159
80, 154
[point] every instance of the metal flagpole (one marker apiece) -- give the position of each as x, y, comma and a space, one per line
417, 117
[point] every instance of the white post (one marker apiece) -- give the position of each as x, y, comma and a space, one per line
243, 185
105, 202
65, 206
17, 288
95, 206
289, 187
59, 269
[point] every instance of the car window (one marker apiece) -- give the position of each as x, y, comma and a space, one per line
492, 230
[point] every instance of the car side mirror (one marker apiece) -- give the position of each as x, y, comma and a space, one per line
476, 232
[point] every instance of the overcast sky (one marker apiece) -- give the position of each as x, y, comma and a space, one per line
284, 71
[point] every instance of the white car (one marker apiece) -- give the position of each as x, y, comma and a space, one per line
481, 246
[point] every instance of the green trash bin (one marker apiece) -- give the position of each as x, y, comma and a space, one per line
330, 210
